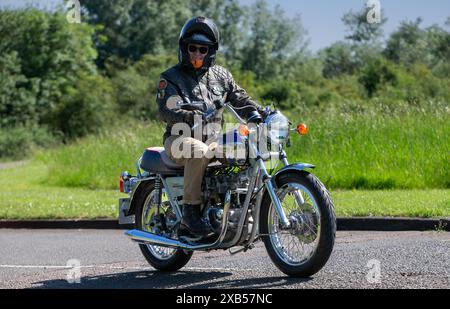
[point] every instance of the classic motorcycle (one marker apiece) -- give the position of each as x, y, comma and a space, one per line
289, 209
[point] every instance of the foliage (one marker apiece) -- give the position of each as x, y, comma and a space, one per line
48, 74
89, 84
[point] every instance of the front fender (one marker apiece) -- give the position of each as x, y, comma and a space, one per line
293, 167
296, 167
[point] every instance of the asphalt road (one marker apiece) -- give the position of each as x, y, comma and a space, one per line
107, 259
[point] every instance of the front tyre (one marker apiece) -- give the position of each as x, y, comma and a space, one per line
161, 258
302, 250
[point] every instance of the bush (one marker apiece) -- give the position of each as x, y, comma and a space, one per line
17, 97
135, 86
376, 74
338, 59
15, 143
19, 142
278, 91
48, 75
87, 108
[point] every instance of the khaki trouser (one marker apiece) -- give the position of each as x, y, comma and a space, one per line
195, 156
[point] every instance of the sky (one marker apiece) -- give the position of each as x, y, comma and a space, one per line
322, 18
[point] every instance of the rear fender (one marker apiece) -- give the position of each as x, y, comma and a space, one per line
136, 194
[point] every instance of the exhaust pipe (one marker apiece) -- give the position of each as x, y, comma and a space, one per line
153, 239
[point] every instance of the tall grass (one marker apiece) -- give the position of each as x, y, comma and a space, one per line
363, 151
378, 151
96, 161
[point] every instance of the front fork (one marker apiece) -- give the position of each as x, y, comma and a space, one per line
271, 189
298, 197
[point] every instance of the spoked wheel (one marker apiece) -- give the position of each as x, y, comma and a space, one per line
304, 248
147, 219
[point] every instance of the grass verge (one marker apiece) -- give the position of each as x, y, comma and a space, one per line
23, 196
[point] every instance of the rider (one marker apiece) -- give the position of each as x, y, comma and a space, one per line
185, 92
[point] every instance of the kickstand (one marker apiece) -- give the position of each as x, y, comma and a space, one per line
243, 249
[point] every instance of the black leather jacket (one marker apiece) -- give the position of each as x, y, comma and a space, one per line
182, 91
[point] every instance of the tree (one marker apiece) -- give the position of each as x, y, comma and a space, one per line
408, 44
232, 22
339, 59
438, 41
376, 73
17, 98
363, 45
360, 30
272, 39
48, 61
131, 28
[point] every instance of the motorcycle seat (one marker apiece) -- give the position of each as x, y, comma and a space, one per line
155, 160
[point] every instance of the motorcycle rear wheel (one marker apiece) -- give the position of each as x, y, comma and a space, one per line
304, 249
163, 259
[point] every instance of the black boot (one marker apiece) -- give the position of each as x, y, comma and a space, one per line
193, 222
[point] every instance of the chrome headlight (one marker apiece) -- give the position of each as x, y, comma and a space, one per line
277, 128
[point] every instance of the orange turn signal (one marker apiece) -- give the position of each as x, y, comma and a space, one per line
121, 185
302, 129
243, 130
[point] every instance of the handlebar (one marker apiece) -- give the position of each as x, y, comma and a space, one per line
211, 112
219, 104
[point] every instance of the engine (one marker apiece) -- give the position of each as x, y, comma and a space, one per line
227, 179
216, 185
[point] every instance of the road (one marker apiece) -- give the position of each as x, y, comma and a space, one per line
107, 259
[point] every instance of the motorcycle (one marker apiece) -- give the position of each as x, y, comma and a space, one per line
288, 209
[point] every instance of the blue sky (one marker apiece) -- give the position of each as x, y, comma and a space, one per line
322, 18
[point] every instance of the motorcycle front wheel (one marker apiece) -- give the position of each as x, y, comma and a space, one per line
304, 248
161, 258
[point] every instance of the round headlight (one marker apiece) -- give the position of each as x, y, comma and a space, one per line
277, 128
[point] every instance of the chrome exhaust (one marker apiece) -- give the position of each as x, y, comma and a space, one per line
153, 239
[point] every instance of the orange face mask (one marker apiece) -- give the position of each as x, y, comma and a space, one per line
197, 63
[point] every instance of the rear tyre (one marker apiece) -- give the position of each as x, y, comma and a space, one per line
163, 259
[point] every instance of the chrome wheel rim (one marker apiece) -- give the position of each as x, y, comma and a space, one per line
148, 216
297, 245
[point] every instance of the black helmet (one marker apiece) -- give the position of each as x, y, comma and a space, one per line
200, 30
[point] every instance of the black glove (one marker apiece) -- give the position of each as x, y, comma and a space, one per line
219, 104
265, 112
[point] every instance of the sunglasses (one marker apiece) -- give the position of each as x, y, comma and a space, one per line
203, 49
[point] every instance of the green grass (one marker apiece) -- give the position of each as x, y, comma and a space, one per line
378, 151
367, 151
395, 203
399, 165
96, 162
23, 196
